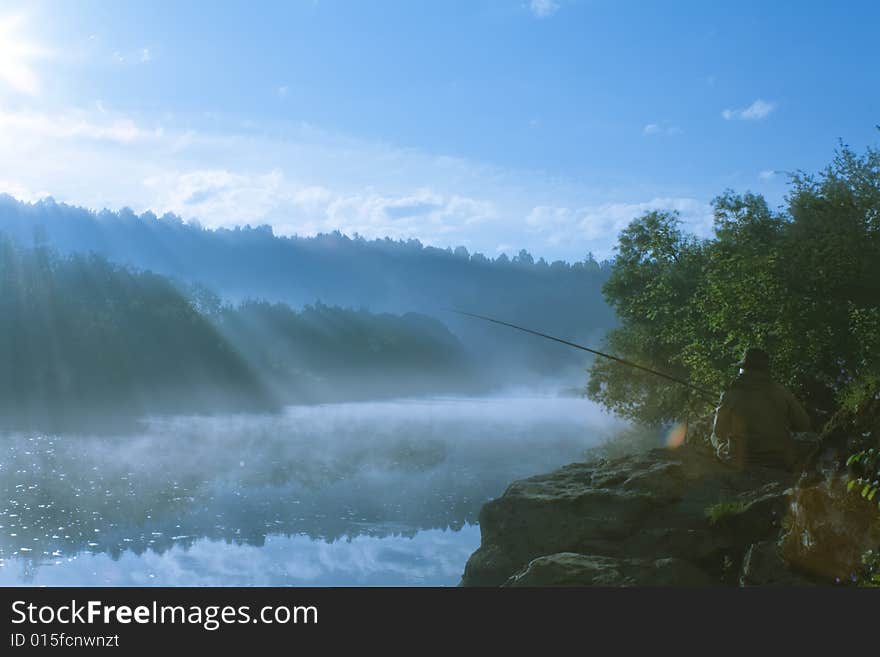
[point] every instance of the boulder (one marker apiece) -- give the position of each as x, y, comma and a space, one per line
657, 518
764, 565
570, 569
829, 530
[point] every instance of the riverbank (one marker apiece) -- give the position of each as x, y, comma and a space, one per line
671, 518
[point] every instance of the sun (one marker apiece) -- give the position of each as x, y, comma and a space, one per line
16, 54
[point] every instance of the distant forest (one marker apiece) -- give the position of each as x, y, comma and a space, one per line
88, 343
382, 276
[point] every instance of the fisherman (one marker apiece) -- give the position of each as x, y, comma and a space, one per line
756, 419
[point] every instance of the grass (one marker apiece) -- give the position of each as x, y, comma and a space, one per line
726, 509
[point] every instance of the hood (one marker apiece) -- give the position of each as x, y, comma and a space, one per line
751, 379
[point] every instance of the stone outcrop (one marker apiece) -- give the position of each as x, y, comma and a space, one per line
570, 569
829, 530
663, 518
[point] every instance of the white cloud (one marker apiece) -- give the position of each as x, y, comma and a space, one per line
661, 129
140, 56
282, 91
543, 8
767, 174
219, 197
434, 216
75, 125
760, 109
302, 180
20, 192
592, 224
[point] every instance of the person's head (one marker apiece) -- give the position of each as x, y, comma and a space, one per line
755, 359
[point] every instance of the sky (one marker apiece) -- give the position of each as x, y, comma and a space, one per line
493, 124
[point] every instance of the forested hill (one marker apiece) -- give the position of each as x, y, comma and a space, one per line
86, 343
380, 275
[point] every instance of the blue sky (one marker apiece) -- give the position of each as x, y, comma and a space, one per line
498, 125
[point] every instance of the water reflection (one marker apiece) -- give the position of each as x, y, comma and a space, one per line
431, 557
367, 493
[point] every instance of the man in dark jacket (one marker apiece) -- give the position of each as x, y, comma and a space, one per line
757, 416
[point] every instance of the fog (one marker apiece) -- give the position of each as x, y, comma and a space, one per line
297, 462
351, 493
385, 276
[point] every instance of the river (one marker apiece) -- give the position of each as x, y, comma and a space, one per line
360, 494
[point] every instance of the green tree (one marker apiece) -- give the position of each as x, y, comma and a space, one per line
651, 285
802, 282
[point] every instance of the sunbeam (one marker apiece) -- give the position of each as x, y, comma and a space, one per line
16, 55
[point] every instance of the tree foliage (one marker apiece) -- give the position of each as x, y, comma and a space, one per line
384, 275
803, 282
323, 353
82, 338
85, 343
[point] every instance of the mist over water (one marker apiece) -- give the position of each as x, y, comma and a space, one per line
370, 493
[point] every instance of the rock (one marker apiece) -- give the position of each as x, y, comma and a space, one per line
754, 513
763, 565
638, 520
829, 530
570, 569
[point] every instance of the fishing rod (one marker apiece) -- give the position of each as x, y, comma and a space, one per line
706, 393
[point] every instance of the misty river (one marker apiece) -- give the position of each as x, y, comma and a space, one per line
354, 494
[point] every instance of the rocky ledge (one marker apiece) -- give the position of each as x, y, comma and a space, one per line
671, 518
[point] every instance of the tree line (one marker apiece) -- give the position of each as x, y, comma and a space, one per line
382, 275
87, 342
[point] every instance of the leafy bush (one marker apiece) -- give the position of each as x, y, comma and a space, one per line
871, 569
864, 474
